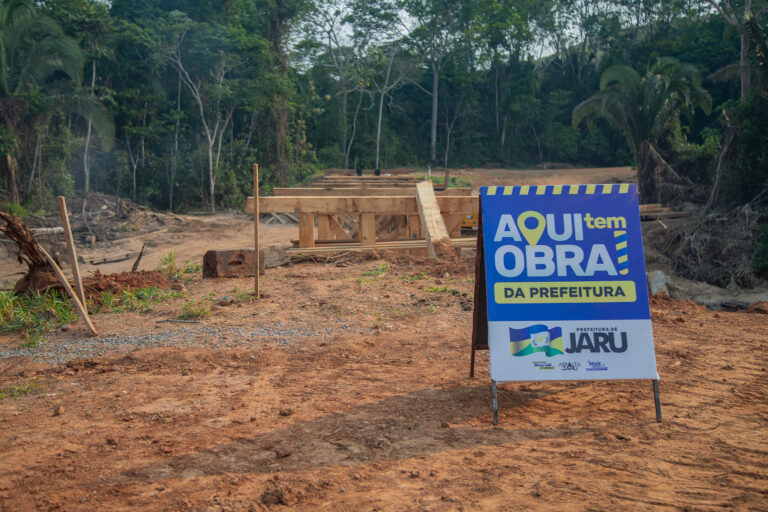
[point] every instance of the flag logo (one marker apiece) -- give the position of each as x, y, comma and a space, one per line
536, 338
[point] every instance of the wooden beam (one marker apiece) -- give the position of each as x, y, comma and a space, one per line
431, 219
80, 307
331, 191
306, 230
382, 205
414, 227
71, 248
390, 246
453, 224
368, 228
323, 227
371, 178
337, 229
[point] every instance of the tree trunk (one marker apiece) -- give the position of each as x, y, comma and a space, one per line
175, 151
354, 131
433, 134
645, 182
11, 167
86, 167
281, 133
343, 114
211, 178
744, 52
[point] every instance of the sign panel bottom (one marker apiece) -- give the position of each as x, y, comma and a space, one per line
571, 350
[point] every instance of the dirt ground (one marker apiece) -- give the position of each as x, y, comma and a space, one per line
346, 387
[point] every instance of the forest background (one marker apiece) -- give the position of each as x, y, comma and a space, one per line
170, 102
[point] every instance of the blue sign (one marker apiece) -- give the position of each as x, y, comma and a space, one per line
566, 286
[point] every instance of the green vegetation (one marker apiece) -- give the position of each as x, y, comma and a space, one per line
193, 310
378, 271
169, 267
139, 299
415, 277
170, 103
439, 289
20, 390
35, 313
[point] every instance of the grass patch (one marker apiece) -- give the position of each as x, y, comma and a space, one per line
439, 289
194, 310
36, 312
20, 390
378, 271
453, 181
413, 278
138, 299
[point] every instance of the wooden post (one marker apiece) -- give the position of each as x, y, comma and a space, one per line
71, 248
323, 227
80, 307
368, 228
306, 229
256, 226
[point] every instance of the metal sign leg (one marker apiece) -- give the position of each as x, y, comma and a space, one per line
657, 400
495, 403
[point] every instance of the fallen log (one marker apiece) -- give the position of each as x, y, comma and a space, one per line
232, 263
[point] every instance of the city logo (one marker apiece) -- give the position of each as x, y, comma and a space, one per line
536, 338
543, 365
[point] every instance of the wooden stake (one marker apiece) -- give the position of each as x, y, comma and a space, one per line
71, 248
256, 224
78, 305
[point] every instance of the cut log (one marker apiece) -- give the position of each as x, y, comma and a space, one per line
232, 263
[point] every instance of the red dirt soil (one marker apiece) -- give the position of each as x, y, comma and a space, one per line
355, 396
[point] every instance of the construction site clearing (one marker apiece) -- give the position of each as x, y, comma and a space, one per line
345, 385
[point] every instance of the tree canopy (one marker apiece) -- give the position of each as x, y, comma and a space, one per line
171, 102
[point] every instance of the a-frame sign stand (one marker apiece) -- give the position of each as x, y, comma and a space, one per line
480, 321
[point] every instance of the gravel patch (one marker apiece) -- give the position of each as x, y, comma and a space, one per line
223, 338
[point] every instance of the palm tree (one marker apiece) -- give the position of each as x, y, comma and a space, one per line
34, 48
643, 108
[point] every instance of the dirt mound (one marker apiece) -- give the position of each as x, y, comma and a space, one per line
98, 282
436, 268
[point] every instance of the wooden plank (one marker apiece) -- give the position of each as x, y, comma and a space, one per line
453, 224
388, 246
306, 230
382, 205
337, 229
71, 248
368, 228
323, 227
413, 230
80, 308
363, 191
371, 178
431, 219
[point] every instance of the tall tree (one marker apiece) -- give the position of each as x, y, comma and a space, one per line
34, 49
210, 88
439, 28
